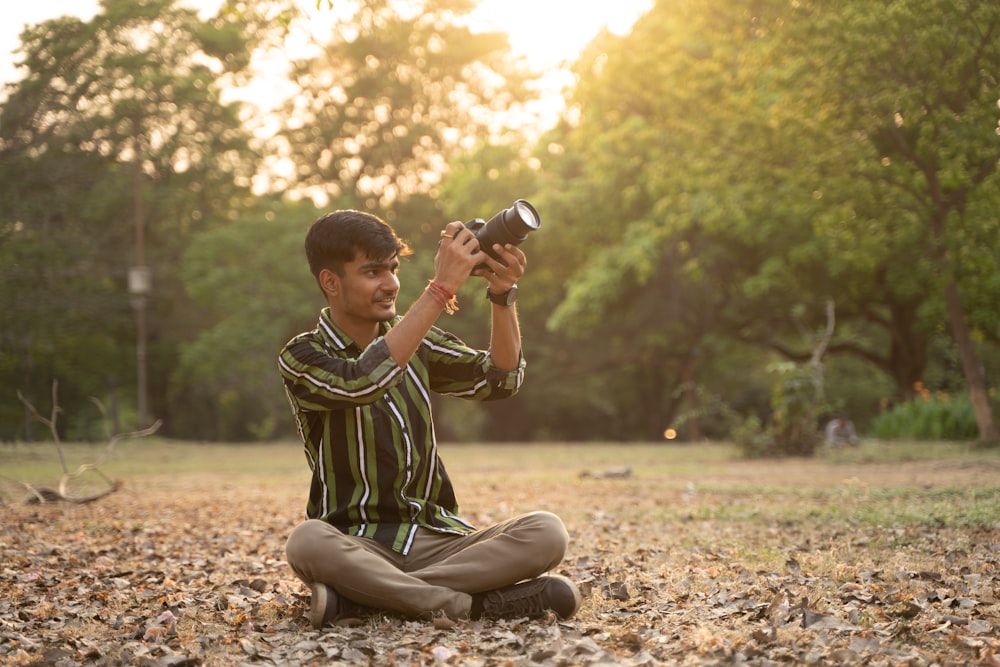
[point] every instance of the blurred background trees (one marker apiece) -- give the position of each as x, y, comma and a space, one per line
117, 122
755, 215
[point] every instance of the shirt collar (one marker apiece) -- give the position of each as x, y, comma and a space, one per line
337, 338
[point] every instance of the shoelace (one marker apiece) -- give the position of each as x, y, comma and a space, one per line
523, 600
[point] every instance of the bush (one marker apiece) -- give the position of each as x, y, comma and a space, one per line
754, 441
928, 417
791, 431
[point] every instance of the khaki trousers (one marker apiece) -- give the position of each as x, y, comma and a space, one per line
441, 571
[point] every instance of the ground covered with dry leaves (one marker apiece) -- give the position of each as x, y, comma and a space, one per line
686, 556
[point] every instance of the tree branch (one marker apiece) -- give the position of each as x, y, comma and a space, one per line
44, 495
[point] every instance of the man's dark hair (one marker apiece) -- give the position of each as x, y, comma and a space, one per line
336, 238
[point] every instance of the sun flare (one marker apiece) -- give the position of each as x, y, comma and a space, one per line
550, 32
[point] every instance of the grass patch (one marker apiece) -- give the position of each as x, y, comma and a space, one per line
912, 484
153, 457
874, 451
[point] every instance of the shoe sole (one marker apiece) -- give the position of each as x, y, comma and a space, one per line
317, 606
577, 598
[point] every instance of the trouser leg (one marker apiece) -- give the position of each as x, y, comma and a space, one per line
441, 570
366, 572
520, 548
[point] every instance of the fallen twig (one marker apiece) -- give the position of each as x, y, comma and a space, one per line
44, 495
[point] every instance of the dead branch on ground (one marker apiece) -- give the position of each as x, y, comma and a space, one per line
45, 495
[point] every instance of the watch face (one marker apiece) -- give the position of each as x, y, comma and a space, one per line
506, 299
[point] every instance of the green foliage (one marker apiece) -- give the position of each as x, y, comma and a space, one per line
930, 416
398, 90
792, 428
754, 440
673, 241
844, 200
853, 388
720, 173
795, 402
254, 291
138, 76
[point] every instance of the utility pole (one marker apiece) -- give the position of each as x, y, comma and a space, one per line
139, 279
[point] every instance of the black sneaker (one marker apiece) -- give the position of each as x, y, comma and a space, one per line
327, 606
531, 599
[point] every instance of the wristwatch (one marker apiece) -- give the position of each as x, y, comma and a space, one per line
506, 299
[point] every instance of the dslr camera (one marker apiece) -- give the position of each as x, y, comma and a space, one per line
511, 225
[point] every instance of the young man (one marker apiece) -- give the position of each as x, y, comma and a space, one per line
383, 529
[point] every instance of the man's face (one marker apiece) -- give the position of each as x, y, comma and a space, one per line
368, 290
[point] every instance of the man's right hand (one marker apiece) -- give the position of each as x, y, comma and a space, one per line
457, 255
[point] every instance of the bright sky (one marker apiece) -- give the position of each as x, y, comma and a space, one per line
548, 32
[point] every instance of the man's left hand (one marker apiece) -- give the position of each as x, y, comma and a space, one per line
504, 274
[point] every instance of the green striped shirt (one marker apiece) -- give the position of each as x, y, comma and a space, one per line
368, 432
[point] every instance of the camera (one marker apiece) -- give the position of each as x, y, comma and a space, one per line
511, 225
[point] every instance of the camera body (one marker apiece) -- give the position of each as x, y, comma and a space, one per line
511, 225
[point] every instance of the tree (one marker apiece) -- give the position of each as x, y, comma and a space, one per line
252, 287
917, 84
731, 144
117, 128
670, 228
399, 88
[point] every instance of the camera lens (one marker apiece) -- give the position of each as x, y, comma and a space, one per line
526, 216
511, 225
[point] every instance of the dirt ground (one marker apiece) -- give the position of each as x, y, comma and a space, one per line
707, 563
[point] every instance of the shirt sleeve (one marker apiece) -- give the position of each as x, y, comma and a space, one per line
455, 369
317, 379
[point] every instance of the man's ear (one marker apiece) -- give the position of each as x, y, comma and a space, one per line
329, 282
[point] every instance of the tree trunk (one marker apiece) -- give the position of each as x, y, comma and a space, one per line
907, 351
978, 392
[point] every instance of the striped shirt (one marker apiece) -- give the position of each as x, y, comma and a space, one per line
368, 432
